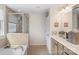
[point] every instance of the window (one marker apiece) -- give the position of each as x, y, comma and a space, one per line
1, 22
1, 27
12, 27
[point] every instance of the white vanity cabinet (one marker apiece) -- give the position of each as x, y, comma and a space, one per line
59, 49
68, 52
54, 47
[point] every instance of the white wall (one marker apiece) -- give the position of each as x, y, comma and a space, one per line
36, 29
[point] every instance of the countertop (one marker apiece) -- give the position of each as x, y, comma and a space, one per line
72, 47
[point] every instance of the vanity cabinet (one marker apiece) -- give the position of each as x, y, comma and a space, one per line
54, 47
59, 49
68, 52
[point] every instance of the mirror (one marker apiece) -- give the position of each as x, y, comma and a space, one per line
75, 17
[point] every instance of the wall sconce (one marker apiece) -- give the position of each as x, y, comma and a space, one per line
65, 24
56, 24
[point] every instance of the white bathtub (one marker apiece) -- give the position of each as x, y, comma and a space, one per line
19, 50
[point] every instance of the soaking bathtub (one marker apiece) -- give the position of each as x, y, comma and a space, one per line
19, 50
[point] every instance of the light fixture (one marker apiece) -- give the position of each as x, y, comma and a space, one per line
67, 7
62, 10
37, 6
19, 10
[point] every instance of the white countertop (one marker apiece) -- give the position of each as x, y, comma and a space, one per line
72, 47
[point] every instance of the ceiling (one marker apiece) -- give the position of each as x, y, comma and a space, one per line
26, 8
